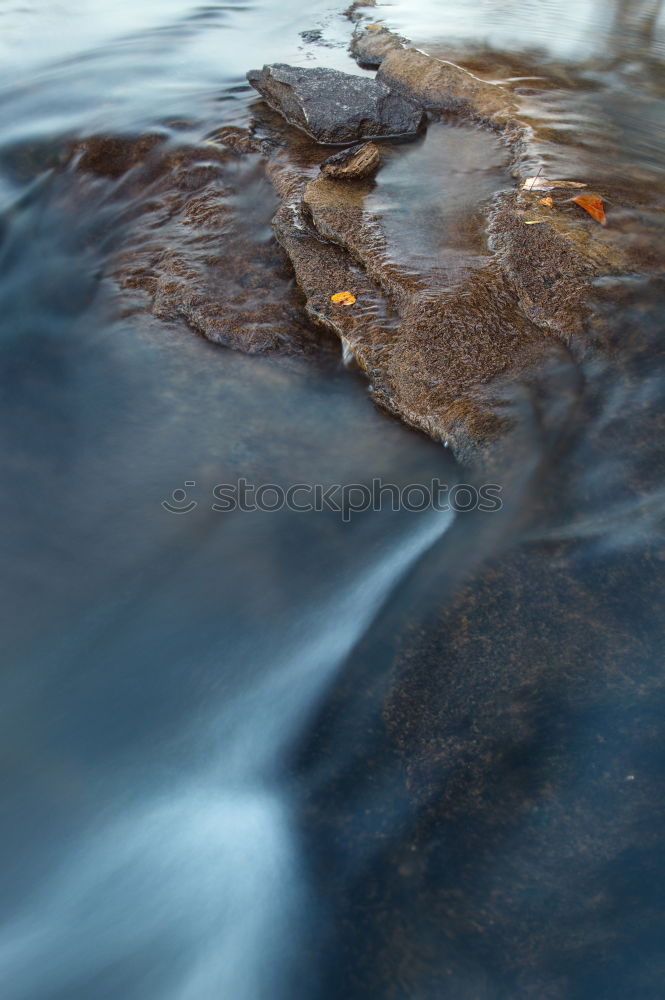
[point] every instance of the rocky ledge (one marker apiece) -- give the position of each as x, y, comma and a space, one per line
447, 359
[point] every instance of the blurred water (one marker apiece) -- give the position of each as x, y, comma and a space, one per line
278, 755
557, 28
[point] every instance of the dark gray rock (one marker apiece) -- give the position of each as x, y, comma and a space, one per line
335, 107
315, 37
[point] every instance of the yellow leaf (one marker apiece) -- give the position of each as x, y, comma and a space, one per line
547, 202
534, 222
343, 298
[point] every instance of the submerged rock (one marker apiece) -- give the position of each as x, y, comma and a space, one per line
515, 717
184, 250
335, 107
353, 163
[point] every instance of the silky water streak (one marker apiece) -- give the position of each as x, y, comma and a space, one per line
210, 869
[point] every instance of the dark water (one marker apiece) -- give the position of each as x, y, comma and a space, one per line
265, 755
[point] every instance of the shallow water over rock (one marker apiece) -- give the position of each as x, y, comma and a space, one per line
431, 195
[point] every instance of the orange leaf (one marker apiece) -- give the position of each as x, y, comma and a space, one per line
343, 298
547, 202
592, 204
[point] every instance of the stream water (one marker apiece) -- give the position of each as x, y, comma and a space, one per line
263, 755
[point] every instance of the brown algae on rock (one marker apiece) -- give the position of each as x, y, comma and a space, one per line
197, 244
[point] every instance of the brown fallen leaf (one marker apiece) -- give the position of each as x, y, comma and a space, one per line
343, 298
547, 202
592, 204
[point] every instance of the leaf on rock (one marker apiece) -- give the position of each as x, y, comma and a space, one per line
343, 298
547, 202
592, 204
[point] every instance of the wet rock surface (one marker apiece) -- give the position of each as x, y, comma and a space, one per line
437, 84
551, 264
438, 361
197, 246
442, 86
442, 349
371, 45
335, 107
354, 163
441, 353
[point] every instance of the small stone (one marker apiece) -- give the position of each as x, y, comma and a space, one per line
353, 163
235, 138
370, 46
335, 107
353, 12
315, 37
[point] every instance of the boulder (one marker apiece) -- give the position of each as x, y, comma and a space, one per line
335, 107
353, 163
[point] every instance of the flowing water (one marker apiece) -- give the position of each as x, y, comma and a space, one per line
257, 754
